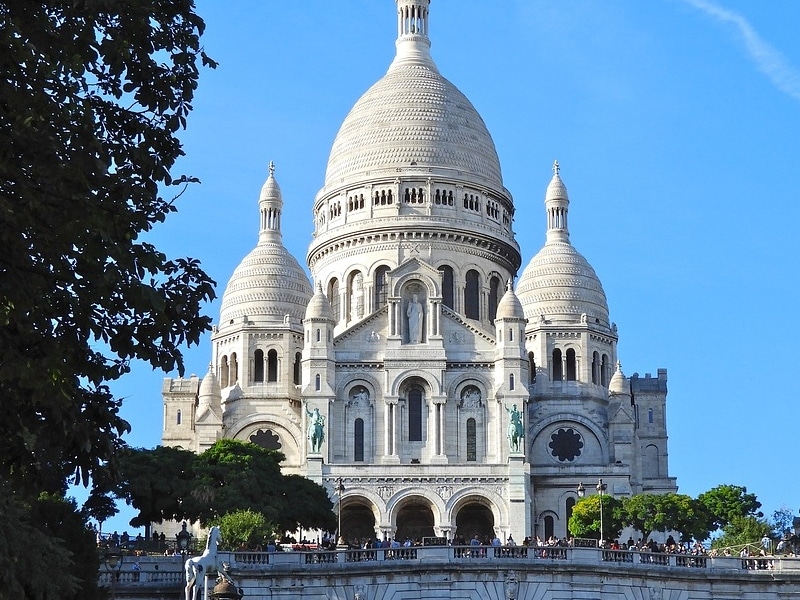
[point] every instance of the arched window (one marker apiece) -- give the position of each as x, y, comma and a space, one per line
651, 465
178, 417
333, 298
649, 415
355, 296
358, 441
549, 527
570, 505
558, 374
297, 368
595, 367
234, 373
381, 286
472, 295
224, 372
604, 371
448, 295
272, 365
572, 374
317, 383
531, 368
472, 440
511, 382
415, 415
319, 336
494, 293
258, 366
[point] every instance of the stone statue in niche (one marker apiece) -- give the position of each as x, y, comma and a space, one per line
415, 313
359, 397
471, 398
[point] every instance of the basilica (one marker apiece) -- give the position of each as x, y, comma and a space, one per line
434, 385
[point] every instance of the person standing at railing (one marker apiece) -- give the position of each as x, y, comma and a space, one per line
766, 544
475, 542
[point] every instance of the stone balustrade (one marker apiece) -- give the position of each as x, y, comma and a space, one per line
264, 574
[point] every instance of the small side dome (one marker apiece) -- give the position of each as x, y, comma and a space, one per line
509, 306
618, 386
559, 284
556, 190
210, 392
269, 283
318, 307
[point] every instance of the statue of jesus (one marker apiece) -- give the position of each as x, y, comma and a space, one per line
414, 313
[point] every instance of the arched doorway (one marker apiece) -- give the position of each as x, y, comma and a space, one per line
474, 519
358, 522
414, 520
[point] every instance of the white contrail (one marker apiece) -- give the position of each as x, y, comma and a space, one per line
768, 60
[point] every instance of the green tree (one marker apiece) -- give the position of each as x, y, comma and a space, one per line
169, 483
724, 503
32, 558
666, 512
742, 530
244, 529
233, 475
156, 482
307, 505
782, 520
585, 519
92, 96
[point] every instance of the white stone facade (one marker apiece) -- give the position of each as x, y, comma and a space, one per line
412, 344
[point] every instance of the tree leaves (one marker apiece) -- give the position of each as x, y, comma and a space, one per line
170, 483
91, 96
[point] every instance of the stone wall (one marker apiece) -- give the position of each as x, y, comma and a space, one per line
485, 574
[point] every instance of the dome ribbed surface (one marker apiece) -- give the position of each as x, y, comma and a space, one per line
413, 115
209, 387
560, 284
267, 285
319, 307
619, 383
509, 307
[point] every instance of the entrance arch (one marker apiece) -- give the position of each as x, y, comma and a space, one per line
473, 519
415, 520
358, 521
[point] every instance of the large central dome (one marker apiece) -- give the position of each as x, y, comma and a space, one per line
413, 160
413, 118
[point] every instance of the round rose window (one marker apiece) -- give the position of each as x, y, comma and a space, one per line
566, 444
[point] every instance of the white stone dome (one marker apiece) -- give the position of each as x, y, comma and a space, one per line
619, 386
413, 117
269, 283
509, 306
319, 307
559, 284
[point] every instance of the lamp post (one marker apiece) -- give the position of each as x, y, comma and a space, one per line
339, 491
113, 562
182, 538
601, 487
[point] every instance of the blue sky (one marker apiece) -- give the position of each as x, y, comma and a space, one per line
675, 123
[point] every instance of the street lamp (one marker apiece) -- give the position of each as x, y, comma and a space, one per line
581, 490
339, 491
182, 538
113, 562
601, 487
